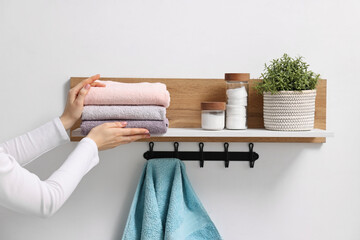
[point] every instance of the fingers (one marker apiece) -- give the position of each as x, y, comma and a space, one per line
75, 90
125, 140
81, 95
115, 124
120, 130
112, 134
129, 139
131, 131
89, 80
97, 84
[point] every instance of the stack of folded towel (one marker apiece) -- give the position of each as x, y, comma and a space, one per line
141, 105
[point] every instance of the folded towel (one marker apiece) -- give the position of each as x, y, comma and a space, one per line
165, 206
96, 112
154, 127
115, 93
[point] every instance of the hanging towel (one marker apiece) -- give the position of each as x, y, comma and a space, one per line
96, 112
165, 206
118, 93
154, 127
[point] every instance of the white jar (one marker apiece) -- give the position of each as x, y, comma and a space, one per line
213, 115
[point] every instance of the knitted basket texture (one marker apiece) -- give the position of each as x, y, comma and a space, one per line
289, 110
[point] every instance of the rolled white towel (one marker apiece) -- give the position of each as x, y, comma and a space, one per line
238, 101
235, 110
236, 92
235, 122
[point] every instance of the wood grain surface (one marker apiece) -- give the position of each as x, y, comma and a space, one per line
185, 107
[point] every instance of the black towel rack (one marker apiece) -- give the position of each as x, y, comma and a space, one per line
203, 156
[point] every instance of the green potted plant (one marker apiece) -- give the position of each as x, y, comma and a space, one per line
289, 90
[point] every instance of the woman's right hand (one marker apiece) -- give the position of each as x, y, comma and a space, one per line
113, 134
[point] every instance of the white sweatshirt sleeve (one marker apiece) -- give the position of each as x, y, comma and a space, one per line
23, 191
31, 145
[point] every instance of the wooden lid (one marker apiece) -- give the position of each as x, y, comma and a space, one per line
213, 106
243, 77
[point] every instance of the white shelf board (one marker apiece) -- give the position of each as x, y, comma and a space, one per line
198, 132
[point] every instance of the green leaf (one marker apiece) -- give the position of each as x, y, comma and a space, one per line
287, 74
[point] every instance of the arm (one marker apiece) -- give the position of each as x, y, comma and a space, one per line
23, 191
31, 145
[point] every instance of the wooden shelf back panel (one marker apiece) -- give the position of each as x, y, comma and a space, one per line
187, 94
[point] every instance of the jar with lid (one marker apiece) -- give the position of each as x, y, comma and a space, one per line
213, 115
237, 87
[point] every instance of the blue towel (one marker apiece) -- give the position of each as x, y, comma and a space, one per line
165, 206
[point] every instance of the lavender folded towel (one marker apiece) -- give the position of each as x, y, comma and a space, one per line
98, 112
154, 127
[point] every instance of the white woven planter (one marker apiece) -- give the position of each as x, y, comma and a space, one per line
289, 110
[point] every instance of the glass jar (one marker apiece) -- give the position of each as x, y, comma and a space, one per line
237, 87
213, 115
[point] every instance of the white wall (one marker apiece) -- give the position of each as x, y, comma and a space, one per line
295, 191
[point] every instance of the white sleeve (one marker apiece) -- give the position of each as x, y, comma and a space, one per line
23, 191
31, 145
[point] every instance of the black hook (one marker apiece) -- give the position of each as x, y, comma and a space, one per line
151, 146
176, 151
226, 146
251, 157
149, 154
151, 149
201, 145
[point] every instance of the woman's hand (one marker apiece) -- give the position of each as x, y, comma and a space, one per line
113, 134
75, 101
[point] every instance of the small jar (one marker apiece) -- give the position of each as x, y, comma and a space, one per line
213, 115
237, 87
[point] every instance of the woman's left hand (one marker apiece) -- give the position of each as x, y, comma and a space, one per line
75, 101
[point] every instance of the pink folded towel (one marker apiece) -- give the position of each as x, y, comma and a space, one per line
118, 93
99, 112
154, 127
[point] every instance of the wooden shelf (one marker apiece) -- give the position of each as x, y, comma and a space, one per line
184, 113
248, 135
